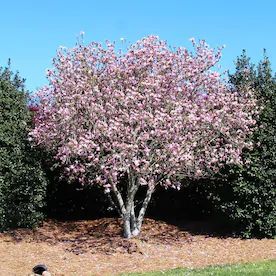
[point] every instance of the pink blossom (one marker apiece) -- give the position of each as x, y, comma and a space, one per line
151, 113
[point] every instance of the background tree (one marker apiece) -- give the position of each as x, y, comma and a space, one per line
150, 116
22, 182
248, 193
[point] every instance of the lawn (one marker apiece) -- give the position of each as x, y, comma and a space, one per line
265, 268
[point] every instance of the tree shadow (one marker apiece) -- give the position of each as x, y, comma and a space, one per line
211, 226
98, 236
173, 218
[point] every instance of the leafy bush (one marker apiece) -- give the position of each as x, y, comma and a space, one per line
247, 195
22, 182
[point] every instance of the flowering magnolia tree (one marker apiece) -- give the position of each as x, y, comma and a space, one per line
151, 114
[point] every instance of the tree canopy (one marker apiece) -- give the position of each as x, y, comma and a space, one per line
152, 114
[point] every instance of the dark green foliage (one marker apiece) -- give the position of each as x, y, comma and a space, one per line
22, 182
247, 195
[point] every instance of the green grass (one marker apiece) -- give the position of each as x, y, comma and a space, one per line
265, 268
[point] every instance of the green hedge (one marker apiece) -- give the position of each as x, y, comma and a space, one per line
247, 195
22, 181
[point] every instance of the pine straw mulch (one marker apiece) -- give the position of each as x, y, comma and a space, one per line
96, 247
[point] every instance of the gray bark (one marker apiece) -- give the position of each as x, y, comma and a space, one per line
119, 199
113, 204
144, 208
131, 223
127, 229
133, 186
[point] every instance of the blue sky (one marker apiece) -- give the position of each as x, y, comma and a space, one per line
31, 31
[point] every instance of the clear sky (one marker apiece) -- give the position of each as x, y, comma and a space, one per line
32, 30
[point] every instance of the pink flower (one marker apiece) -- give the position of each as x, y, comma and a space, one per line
150, 112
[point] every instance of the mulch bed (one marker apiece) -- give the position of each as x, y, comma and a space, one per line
96, 247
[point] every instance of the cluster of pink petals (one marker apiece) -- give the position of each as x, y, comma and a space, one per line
153, 111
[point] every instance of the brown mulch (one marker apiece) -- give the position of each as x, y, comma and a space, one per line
96, 248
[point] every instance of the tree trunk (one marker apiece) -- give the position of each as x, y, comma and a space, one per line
127, 226
133, 220
131, 224
144, 208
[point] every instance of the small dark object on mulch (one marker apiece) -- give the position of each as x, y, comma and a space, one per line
39, 269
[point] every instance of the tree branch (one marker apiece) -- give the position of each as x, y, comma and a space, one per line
114, 205
144, 207
119, 198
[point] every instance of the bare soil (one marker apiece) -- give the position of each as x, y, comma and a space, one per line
95, 247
